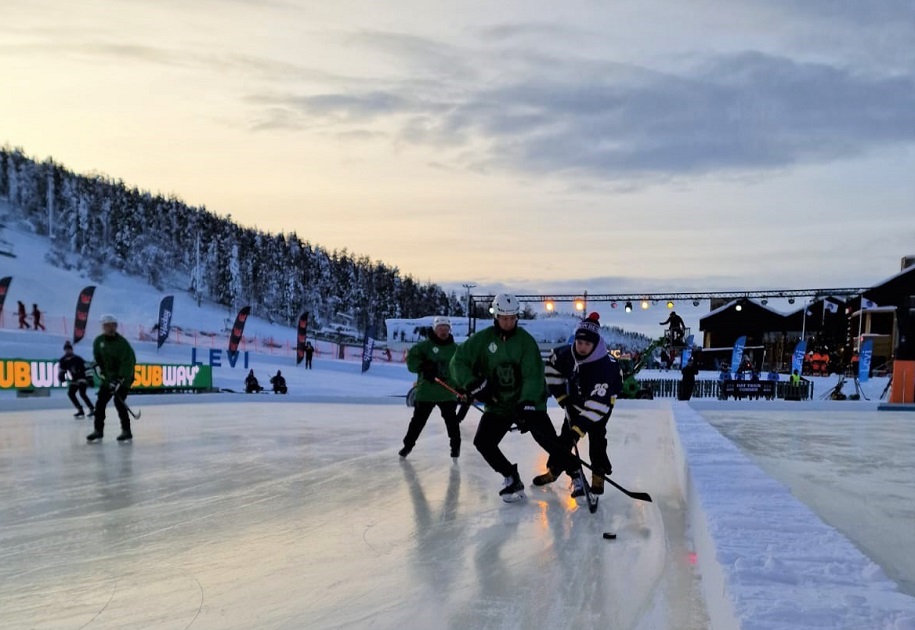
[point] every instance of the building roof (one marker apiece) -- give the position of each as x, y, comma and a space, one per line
895, 290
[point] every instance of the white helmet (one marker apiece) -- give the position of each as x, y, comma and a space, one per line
109, 319
505, 304
441, 320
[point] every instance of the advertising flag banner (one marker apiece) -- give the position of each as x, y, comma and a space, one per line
82, 313
368, 346
737, 353
797, 359
4, 288
166, 307
238, 329
864, 360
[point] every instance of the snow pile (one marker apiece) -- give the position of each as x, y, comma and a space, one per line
767, 561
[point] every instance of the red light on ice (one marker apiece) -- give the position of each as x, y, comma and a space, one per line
691, 557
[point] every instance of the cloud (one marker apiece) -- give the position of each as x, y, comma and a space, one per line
730, 114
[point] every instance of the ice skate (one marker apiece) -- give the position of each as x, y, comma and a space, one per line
578, 487
512, 488
125, 436
79, 415
597, 483
95, 435
546, 478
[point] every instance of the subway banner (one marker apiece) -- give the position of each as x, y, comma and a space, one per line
31, 374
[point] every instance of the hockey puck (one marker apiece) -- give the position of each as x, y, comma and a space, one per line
609, 536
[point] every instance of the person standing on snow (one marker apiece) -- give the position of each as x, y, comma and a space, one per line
22, 315
36, 318
115, 361
501, 367
309, 353
585, 380
430, 359
72, 367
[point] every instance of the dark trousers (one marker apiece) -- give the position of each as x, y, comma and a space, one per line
493, 427
421, 413
307, 361
686, 389
597, 446
104, 395
81, 388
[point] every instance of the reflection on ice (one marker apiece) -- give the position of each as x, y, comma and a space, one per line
302, 515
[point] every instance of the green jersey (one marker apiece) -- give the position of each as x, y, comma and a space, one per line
432, 350
115, 359
510, 363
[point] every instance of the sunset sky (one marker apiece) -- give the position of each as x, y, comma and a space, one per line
539, 146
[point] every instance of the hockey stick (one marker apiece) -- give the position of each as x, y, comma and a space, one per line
135, 414
639, 496
465, 406
592, 499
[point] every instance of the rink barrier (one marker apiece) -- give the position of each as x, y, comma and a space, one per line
756, 557
669, 387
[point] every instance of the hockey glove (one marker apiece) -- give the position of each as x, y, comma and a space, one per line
429, 370
479, 390
527, 412
578, 425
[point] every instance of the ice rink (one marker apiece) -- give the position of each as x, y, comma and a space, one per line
275, 514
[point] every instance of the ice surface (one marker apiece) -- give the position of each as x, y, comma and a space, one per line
300, 515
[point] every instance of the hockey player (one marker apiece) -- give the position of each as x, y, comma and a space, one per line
501, 367
115, 361
585, 380
430, 358
72, 367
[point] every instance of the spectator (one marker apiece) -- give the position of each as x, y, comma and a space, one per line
689, 372
309, 353
36, 317
251, 384
22, 315
279, 383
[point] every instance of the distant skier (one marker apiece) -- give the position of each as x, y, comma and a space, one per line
251, 384
279, 383
677, 327
501, 367
22, 317
36, 317
115, 361
430, 358
72, 367
309, 353
585, 380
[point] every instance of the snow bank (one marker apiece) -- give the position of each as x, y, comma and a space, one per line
767, 561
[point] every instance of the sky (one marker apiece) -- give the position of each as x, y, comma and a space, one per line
531, 146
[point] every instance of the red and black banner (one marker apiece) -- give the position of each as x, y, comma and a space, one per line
82, 313
239, 328
300, 338
4, 287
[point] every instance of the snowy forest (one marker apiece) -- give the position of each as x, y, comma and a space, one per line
96, 223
